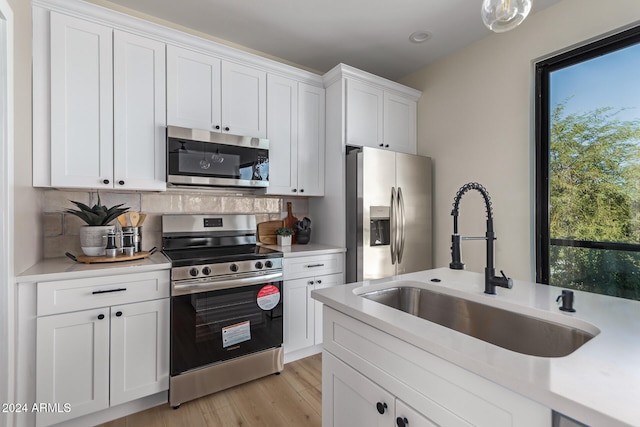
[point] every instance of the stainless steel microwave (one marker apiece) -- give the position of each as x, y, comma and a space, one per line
201, 158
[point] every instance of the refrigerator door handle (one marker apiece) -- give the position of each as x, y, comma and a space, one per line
393, 231
401, 221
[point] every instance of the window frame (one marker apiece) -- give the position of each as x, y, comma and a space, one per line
543, 69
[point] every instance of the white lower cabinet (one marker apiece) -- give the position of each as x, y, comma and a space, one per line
357, 401
302, 314
371, 378
101, 357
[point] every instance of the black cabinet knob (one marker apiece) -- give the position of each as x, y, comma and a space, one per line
226, 128
294, 190
121, 182
100, 316
118, 314
318, 281
302, 190
311, 282
106, 181
381, 407
217, 127
381, 145
402, 422
386, 146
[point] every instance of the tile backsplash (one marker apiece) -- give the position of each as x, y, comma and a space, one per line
61, 229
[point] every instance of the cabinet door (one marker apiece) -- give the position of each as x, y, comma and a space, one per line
364, 121
244, 100
322, 282
139, 112
193, 90
282, 131
349, 399
298, 314
409, 417
139, 350
72, 363
400, 123
81, 103
311, 141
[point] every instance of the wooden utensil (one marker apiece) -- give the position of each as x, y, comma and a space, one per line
122, 219
134, 217
141, 220
290, 220
267, 232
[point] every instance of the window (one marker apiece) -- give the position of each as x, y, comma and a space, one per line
588, 167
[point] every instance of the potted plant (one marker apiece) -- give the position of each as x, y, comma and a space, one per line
284, 236
93, 236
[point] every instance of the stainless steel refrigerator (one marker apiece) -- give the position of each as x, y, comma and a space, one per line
389, 224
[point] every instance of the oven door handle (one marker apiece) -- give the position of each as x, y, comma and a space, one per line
185, 287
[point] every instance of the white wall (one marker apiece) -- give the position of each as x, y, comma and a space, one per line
475, 118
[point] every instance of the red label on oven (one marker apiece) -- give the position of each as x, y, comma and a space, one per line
268, 297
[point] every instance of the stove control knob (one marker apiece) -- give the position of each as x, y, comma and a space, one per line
258, 265
268, 264
206, 271
233, 267
193, 272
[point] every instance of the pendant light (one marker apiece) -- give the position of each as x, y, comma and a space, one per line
504, 15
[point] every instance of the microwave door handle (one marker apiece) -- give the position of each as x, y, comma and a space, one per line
392, 228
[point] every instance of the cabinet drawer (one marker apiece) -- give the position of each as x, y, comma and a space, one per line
299, 267
63, 296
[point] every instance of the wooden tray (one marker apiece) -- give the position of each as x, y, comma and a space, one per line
267, 232
97, 259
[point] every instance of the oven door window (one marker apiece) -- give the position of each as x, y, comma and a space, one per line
212, 327
211, 160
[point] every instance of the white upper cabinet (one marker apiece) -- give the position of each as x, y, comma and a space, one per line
400, 123
244, 100
296, 137
204, 92
193, 90
282, 131
364, 114
311, 142
379, 118
81, 103
139, 113
107, 107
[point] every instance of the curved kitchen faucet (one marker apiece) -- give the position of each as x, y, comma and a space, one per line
490, 279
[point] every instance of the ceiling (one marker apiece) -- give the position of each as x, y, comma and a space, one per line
372, 35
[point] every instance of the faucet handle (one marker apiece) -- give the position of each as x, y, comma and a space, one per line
509, 281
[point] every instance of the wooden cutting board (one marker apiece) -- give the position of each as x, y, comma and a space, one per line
120, 257
267, 232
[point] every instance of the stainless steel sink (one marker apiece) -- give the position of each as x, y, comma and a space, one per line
507, 329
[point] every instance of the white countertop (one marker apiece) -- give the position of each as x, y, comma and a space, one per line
309, 249
598, 384
64, 268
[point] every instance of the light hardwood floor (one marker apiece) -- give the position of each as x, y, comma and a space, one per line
291, 399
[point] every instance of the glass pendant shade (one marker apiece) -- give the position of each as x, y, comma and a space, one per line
504, 15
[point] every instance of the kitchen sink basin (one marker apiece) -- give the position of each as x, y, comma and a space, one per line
507, 329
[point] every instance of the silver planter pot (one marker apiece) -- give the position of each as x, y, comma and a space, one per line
93, 239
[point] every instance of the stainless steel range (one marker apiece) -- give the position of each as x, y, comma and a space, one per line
226, 304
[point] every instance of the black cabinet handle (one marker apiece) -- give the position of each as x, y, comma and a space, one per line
105, 181
121, 182
315, 265
100, 316
381, 407
109, 290
118, 314
402, 422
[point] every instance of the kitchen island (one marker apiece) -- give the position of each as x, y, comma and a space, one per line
598, 384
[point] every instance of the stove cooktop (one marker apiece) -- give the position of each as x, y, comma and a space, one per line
216, 255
